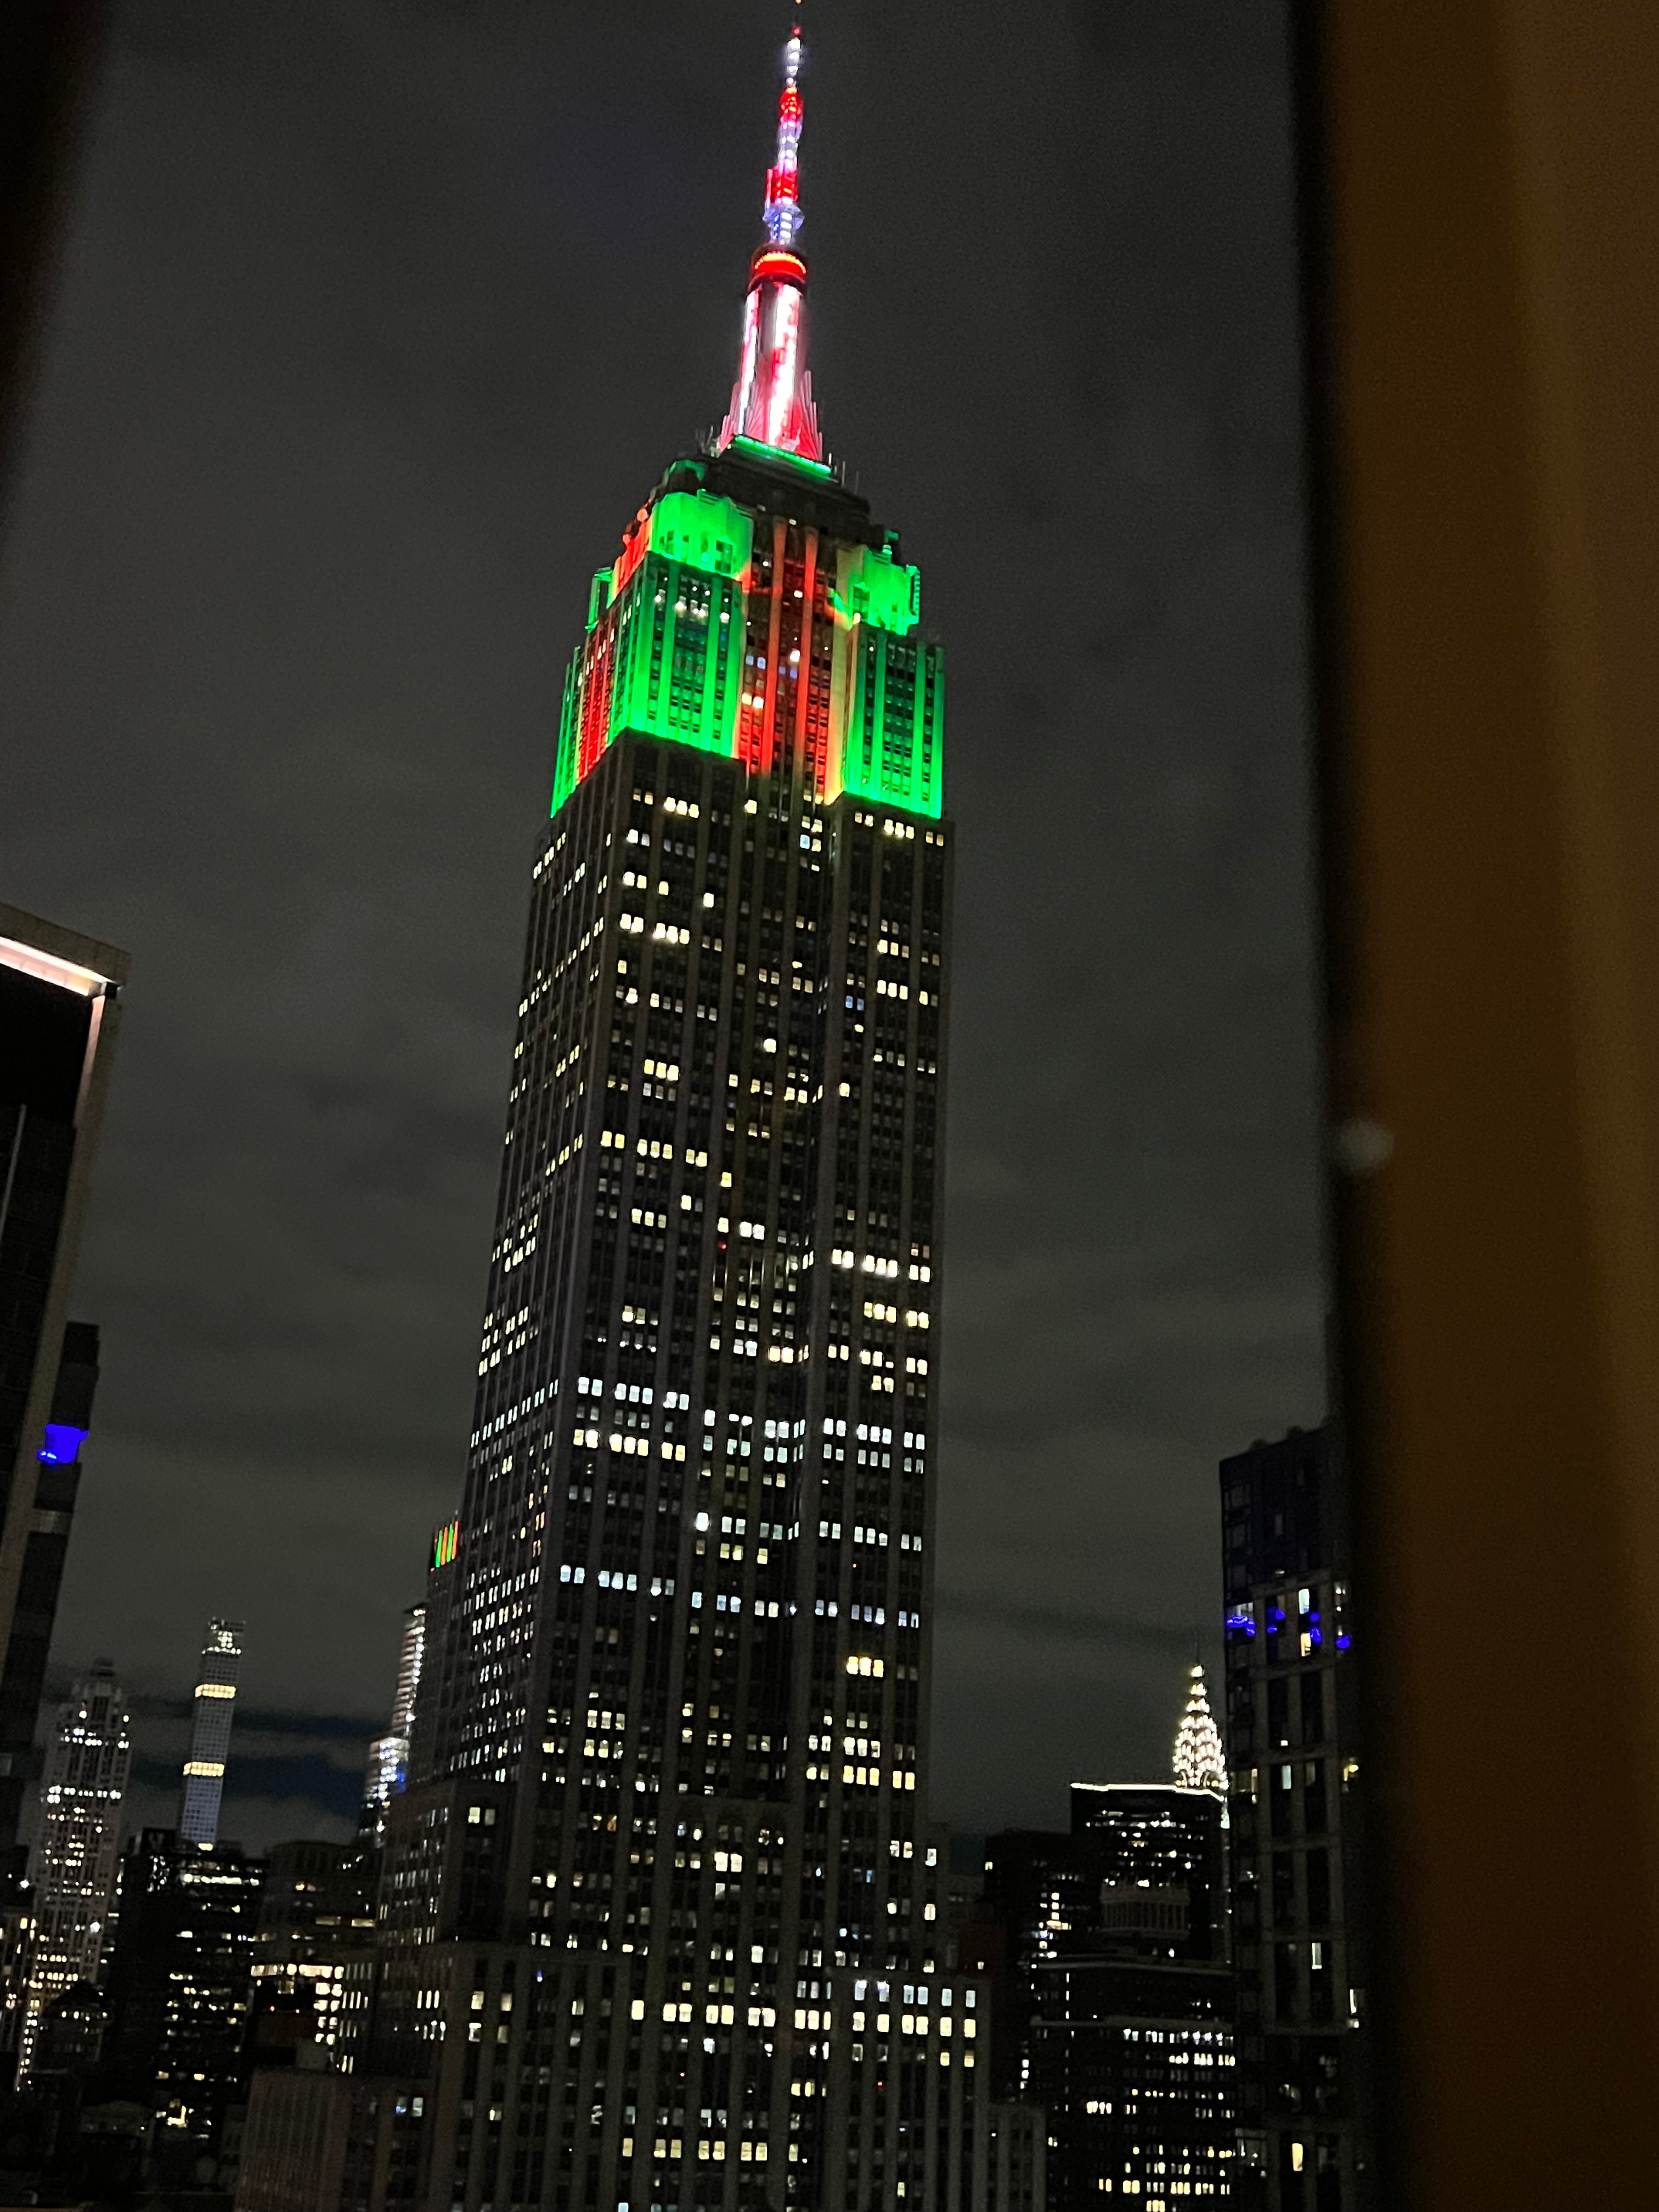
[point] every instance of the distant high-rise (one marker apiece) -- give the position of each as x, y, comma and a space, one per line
85, 1783
388, 1755
316, 1924
59, 995
213, 1708
1115, 2005
1296, 1836
662, 1895
179, 1980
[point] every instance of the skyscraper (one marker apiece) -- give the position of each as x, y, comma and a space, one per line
316, 1922
80, 1797
213, 1708
40, 1573
388, 1755
60, 1010
1114, 2004
1298, 1838
659, 1906
179, 1981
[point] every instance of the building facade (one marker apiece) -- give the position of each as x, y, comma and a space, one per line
213, 1708
84, 1786
1114, 2008
312, 1942
1292, 1745
22, 1676
296, 2142
178, 1982
660, 1907
46, 1550
59, 1013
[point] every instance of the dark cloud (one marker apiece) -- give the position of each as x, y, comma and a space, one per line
375, 323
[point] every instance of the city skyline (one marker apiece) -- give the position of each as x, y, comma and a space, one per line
1072, 1326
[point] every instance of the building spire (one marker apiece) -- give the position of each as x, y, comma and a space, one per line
772, 399
1198, 1760
783, 209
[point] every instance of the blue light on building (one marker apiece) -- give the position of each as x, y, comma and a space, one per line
63, 1444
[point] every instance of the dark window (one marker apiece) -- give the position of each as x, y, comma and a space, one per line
1279, 1712
1319, 1888
1314, 1816
1284, 1888
1313, 1708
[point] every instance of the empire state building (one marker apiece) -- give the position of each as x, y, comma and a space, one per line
660, 1910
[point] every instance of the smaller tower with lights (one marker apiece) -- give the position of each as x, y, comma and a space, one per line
388, 1755
215, 1706
80, 1795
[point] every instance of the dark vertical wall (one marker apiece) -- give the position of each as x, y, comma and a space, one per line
1485, 195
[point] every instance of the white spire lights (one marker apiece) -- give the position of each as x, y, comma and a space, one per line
1199, 1763
783, 214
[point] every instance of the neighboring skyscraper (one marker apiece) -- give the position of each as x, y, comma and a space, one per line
316, 1924
85, 1783
213, 1708
1297, 1841
432, 1703
58, 1017
1132, 2043
1115, 2011
178, 1980
661, 1897
56, 1483
1200, 1762
388, 1755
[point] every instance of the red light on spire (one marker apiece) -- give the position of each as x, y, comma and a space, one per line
780, 268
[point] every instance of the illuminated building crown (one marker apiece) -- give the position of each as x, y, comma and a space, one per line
758, 610
1198, 1760
772, 399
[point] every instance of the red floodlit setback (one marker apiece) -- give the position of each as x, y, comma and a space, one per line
637, 542
772, 398
596, 701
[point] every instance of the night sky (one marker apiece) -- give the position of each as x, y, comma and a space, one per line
375, 322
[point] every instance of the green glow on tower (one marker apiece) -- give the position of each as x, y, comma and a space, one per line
775, 454
678, 656
894, 744
681, 628
873, 587
714, 535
